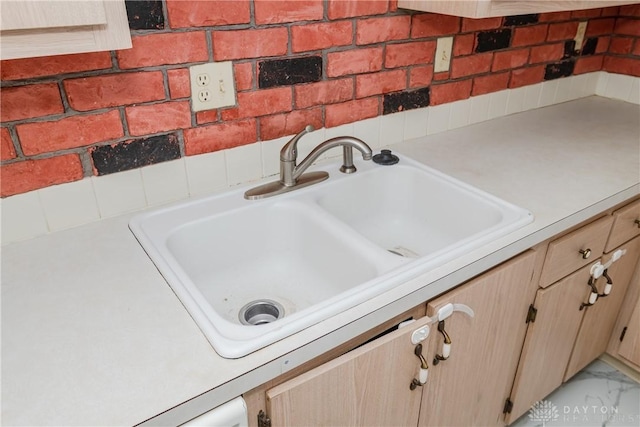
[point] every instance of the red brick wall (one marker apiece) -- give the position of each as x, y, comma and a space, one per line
623, 56
70, 116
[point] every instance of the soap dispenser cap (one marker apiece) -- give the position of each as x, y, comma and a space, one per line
386, 158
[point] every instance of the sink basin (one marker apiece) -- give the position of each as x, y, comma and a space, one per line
283, 252
251, 272
409, 212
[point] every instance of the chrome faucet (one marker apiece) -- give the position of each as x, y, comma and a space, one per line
292, 175
289, 172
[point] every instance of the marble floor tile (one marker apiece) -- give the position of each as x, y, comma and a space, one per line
599, 395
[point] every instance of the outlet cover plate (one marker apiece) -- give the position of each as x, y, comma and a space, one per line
212, 86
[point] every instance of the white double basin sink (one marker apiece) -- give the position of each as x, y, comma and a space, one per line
251, 272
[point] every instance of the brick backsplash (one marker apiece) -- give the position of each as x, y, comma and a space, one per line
145, 15
169, 177
134, 154
321, 62
286, 72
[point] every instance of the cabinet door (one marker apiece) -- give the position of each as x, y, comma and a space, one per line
368, 386
600, 318
31, 28
470, 387
630, 346
550, 339
33, 14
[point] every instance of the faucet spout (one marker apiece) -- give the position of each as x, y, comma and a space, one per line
292, 175
348, 142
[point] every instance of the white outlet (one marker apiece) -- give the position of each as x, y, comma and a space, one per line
579, 38
212, 86
443, 54
203, 79
204, 95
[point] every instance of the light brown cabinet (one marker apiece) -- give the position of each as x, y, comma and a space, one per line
485, 349
532, 329
574, 250
30, 28
363, 348
569, 329
630, 348
371, 384
599, 319
365, 387
549, 341
626, 225
487, 8
625, 338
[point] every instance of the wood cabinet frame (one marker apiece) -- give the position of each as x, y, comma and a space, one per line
489, 8
45, 41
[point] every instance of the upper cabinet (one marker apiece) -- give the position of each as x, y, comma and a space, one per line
30, 28
488, 8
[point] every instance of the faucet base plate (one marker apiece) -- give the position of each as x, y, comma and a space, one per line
276, 187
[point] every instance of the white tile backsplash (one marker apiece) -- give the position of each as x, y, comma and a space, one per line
392, 129
618, 87
69, 205
592, 82
578, 87
479, 111
22, 217
119, 192
346, 129
368, 130
634, 93
498, 104
515, 100
601, 84
532, 96
165, 182
62, 206
563, 91
206, 172
548, 94
415, 123
459, 114
438, 118
244, 164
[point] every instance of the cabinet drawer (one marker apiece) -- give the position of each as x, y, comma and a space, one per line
564, 254
625, 226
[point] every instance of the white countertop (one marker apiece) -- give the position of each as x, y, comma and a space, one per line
93, 335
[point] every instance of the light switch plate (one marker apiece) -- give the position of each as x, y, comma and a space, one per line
212, 86
443, 54
579, 38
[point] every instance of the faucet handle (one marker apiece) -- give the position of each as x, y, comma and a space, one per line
290, 150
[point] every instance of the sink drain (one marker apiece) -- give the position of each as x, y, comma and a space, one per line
260, 312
